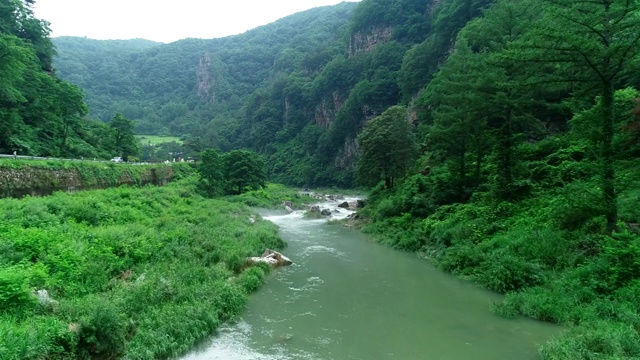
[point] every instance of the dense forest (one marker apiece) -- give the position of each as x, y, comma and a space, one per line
500, 138
41, 114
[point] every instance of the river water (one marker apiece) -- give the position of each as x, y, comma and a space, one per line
349, 298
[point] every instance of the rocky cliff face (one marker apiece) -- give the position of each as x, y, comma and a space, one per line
346, 158
365, 41
206, 80
327, 110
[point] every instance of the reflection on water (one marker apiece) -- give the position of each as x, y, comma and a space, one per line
346, 297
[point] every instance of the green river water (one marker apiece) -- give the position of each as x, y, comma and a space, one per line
347, 297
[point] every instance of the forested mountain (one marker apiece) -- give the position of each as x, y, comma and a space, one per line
176, 88
298, 90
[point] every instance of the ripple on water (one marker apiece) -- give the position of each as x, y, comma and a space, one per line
311, 285
314, 249
233, 343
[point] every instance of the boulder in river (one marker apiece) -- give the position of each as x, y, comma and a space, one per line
270, 257
344, 205
325, 212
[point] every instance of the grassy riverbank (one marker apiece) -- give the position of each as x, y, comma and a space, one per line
548, 252
142, 272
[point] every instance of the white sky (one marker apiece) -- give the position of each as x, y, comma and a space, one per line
164, 20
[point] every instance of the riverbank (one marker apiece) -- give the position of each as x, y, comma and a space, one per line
347, 297
547, 252
136, 272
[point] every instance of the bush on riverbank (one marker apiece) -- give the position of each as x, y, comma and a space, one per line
548, 252
145, 272
271, 196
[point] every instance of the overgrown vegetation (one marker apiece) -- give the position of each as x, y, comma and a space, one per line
137, 272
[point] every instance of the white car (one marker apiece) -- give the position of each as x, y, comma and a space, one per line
117, 159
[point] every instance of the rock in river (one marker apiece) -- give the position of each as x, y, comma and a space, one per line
270, 257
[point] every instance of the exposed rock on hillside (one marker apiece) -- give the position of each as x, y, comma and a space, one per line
364, 42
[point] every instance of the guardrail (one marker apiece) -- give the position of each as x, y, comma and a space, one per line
24, 157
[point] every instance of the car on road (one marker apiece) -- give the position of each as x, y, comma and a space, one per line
117, 159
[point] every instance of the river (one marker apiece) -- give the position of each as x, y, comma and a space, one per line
349, 298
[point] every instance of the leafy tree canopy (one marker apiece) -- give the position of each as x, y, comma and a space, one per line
388, 148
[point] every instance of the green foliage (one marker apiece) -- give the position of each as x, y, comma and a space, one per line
406, 14
243, 170
134, 272
251, 279
388, 148
547, 253
503, 272
15, 295
102, 329
271, 196
601, 340
211, 172
124, 140
35, 337
621, 254
40, 114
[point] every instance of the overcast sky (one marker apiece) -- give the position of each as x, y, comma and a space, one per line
163, 20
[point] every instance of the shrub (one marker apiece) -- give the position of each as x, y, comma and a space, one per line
543, 304
461, 259
251, 279
621, 253
579, 203
15, 295
535, 243
229, 300
102, 330
502, 272
597, 341
35, 338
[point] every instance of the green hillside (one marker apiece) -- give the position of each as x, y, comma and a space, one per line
172, 89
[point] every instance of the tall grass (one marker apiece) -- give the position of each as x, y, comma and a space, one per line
138, 272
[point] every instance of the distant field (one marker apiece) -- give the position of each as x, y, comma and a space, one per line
155, 140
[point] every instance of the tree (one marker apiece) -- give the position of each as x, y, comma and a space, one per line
388, 148
71, 109
243, 170
124, 140
479, 102
454, 113
598, 41
211, 172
